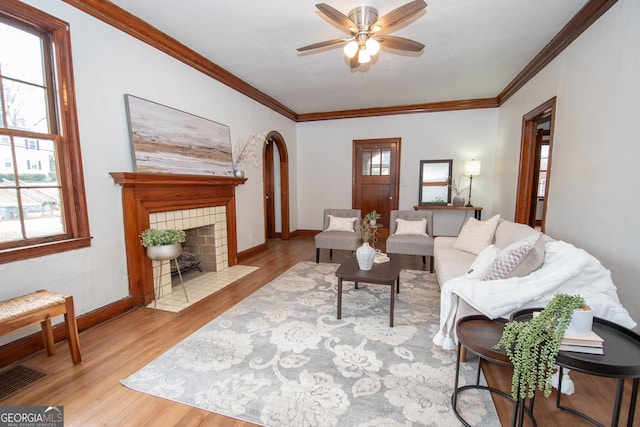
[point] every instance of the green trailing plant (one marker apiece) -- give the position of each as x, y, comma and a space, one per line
532, 346
153, 237
373, 216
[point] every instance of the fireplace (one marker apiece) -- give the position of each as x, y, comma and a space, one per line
174, 201
206, 241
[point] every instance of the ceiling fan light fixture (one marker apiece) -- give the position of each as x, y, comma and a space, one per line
363, 56
373, 47
351, 48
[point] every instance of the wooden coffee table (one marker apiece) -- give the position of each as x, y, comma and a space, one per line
386, 273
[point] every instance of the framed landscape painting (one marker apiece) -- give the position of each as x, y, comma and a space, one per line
166, 140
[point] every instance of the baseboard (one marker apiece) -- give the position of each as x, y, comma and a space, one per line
307, 232
251, 252
31, 344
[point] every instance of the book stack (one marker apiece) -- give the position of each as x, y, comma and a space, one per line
591, 343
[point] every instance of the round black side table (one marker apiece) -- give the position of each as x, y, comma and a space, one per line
479, 334
621, 360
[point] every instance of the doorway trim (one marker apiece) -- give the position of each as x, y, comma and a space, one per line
276, 138
528, 166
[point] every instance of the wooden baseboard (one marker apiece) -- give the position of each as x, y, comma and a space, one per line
307, 232
251, 252
26, 346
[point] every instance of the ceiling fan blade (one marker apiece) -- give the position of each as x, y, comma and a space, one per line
400, 43
354, 62
337, 17
400, 14
321, 44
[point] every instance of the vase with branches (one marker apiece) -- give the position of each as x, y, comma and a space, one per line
532, 346
249, 152
365, 254
456, 187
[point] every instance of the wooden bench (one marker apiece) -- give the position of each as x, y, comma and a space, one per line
40, 307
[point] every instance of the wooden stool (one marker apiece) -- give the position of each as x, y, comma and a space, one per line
40, 307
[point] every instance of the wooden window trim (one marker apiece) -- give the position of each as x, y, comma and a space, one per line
69, 155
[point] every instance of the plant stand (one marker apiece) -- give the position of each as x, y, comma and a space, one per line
165, 253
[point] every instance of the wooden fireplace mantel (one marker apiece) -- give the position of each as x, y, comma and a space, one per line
146, 193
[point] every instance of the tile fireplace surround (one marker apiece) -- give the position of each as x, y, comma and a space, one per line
192, 219
146, 194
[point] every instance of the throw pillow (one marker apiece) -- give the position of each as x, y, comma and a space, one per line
476, 235
518, 259
412, 228
338, 223
483, 261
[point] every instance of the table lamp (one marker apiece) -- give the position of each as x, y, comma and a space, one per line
471, 168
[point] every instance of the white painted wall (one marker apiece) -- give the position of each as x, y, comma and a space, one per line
593, 189
325, 150
592, 200
107, 65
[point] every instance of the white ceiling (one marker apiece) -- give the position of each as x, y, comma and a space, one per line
473, 48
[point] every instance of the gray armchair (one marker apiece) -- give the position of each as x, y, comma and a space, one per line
344, 240
411, 244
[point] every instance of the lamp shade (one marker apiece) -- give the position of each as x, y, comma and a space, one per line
373, 47
363, 56
472, 167
351, 48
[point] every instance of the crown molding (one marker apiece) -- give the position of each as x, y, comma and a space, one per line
119, 18
470, 104
582, 20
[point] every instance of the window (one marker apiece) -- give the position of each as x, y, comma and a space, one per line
376, 161
42, 200
542, 176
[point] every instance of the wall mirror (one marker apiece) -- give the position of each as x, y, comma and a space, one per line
435, 176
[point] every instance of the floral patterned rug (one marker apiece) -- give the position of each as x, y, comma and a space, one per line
281, 358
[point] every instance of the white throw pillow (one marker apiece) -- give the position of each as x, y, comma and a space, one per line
518, 259
338, 223
483, 261
476, 235
411, 228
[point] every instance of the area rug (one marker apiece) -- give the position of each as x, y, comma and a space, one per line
281, 358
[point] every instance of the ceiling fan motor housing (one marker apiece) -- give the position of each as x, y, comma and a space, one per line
364, 17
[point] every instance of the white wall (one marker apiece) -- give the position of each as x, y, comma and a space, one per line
592, 199
593, 186
108, 64
325, 149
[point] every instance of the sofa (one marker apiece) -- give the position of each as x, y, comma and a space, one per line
496, 267
451, 262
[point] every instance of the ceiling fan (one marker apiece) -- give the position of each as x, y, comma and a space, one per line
364, 26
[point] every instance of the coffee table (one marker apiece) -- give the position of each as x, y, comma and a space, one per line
386, 273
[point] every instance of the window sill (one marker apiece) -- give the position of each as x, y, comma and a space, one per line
34, 251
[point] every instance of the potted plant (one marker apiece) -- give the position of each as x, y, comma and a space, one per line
162, 244
532, 346
365, 254
373, 216
458, 198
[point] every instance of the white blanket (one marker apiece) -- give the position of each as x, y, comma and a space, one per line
566, 269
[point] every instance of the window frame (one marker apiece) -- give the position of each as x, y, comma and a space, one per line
58, 52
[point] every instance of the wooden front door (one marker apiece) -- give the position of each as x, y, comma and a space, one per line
376, 176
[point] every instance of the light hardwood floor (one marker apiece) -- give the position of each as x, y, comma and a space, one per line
93, 396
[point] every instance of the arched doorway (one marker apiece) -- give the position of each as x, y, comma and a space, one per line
276, 187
